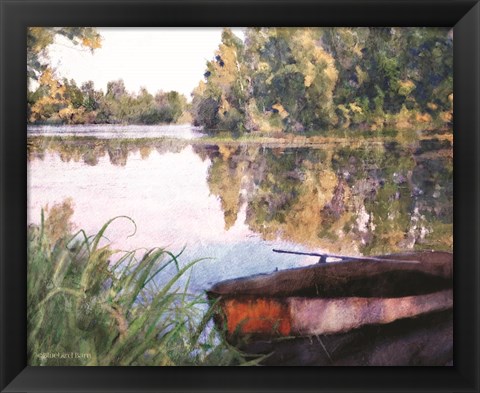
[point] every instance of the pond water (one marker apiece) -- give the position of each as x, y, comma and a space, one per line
235, 202
115, 131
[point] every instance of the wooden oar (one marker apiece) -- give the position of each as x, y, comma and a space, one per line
323, 257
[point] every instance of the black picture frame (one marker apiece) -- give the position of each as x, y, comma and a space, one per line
17, 15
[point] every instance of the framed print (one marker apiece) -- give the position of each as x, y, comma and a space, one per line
240, 184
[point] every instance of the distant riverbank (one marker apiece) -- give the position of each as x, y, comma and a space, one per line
191, 132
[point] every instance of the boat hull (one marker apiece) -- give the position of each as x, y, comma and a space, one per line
299, 316
423, 341
397, 301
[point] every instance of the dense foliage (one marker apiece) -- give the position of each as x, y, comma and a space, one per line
314, 79
63, 102
299, 80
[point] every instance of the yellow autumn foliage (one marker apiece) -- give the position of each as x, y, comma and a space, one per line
93, 42
423, 118
54, 106
312, 60
281, 110
446, 116
262, 121
405, 87
362, 75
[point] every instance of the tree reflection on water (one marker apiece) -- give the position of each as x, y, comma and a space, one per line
362, 197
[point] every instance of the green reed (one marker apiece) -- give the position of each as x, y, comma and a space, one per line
89, 304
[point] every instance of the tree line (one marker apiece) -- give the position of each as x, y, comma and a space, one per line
315, 79
298, 80
61, 101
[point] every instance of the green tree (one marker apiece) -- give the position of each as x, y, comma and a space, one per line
219, 102
91, 97
169, 106
73, 93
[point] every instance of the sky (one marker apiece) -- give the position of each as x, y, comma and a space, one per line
155, 58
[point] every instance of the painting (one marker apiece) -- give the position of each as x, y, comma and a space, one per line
240, 196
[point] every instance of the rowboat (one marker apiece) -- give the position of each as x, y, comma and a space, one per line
379, 310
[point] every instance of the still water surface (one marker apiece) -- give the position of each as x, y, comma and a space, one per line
234, 202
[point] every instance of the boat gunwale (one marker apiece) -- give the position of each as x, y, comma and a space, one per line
435, 272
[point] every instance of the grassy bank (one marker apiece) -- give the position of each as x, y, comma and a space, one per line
85, 309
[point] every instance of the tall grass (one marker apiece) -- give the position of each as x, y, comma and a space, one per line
84, 309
